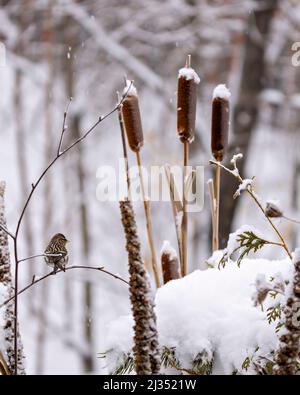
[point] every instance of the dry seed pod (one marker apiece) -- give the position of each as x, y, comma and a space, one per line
132, 117
186, 103
220, 122
169, 262
273, 211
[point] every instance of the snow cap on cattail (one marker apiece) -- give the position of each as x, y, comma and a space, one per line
220, 121
132, 117
169, 262
186, 102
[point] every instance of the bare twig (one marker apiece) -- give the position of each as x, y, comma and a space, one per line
64, 128
37, 280
125, 156
38, 256
291, 219
34, 187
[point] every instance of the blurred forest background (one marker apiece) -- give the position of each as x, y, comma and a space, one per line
56, 49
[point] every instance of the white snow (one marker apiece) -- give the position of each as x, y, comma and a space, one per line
272, 96
211, 311
130, 89
189, 74
243, 186
235, 158
296, 256
168, 249
221, 92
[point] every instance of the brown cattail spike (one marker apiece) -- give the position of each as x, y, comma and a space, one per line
220, 122
132, 117
169, 262
186, 102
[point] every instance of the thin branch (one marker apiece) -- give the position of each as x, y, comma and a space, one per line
7, 232
38, 256
254, 197
291, 219
35, 281
123, 138
64, 128
212, 210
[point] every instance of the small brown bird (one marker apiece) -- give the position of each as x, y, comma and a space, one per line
56, 254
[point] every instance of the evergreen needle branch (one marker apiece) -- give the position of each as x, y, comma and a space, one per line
250, 191
34, 186
36, 281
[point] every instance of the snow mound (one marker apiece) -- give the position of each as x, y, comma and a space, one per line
211, 313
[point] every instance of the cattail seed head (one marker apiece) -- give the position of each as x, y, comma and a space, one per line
220, 122
132, 117
169, 262
186, 103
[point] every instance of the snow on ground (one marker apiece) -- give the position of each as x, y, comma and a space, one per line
210, 311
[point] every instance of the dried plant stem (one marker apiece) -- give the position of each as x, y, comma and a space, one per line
123, 138
148, 222
217, 210
284, 244
291, 219
176, 207
254, 197
36, 281
212, 209
184, 224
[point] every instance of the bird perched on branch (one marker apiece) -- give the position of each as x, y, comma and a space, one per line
56, 254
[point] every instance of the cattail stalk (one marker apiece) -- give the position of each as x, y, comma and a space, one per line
169, 262
133, 126
186, 118
125, 156
219, 143
148, 222
146, 348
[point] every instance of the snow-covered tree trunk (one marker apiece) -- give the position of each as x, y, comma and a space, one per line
6, 291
